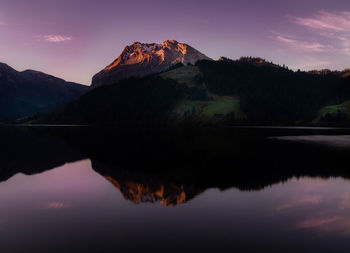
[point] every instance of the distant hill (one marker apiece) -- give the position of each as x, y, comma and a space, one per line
28, 92
141, 59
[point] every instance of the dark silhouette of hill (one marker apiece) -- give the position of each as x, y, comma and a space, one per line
272, 93
28, 92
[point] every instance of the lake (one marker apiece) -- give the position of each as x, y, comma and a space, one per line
85, 189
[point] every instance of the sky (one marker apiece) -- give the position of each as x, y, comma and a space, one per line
74, 39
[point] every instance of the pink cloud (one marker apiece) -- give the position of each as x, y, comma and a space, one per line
318, 222
306, 200
333, 220
55, 38
302, 45
334, 26
325, 225
56, 205
326, 21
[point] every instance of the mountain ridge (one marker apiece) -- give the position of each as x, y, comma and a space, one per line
29, 91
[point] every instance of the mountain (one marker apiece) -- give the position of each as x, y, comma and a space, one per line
140, 59
27, 92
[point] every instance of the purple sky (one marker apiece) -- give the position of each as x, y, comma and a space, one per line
74, 39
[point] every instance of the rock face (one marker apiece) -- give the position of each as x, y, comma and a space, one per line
27, 92
141, 59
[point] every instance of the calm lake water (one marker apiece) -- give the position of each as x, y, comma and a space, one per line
174, 190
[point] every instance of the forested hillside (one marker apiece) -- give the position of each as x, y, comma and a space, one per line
246, 91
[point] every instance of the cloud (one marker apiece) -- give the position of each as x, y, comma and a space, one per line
318, 222
327, 21
300, 44
2, 23
305, 200
332, 26
56, 205
55, 38
337, 224
322, 32
332, 218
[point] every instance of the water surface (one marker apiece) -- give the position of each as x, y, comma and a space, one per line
246, 191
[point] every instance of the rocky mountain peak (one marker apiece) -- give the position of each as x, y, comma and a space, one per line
141, 59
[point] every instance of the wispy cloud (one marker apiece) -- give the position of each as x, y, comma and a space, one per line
305, 200
55, 38
56, 205
326, 21
2, 23
300, 44
332, 26
322, 32
319, 222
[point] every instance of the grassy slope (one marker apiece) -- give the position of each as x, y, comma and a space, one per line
333, 110
184, 75
217, 108
210, 110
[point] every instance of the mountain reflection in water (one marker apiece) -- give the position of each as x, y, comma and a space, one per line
75, 204
168, 195
144, 188
174, 165
248, 190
